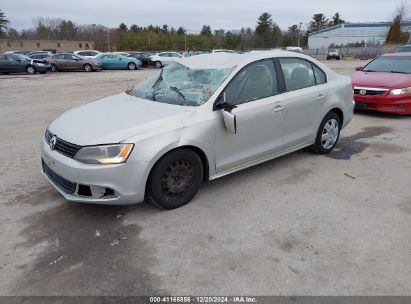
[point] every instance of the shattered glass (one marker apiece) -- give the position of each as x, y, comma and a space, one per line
179, 84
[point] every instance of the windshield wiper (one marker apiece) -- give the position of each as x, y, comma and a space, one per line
399, 72
175, 89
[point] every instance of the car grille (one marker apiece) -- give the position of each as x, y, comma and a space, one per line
369, 91
62, 146
65, 185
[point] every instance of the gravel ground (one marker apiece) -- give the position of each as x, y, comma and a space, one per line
302, 224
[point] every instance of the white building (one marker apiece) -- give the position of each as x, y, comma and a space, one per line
370, 33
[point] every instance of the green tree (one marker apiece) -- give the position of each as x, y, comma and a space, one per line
336, 19
290, 37
3, 23
264, 24
318, 22
123, 27
206, 31
181, 31
395, 34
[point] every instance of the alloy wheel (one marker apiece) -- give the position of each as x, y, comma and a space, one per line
330, 133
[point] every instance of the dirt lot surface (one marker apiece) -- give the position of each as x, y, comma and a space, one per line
299, 225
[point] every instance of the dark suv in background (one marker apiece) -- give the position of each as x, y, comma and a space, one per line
142, 56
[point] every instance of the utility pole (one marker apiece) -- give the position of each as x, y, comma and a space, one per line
185, 40
108, 40
299, 31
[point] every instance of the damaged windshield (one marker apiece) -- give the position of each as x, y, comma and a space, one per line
178, 84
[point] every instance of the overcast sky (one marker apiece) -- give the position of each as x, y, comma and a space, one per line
192, 14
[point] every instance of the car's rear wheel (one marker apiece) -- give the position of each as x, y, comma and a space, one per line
132, 66
158, 64
87, 68
328, 134
175, 179
30, 70
54, 68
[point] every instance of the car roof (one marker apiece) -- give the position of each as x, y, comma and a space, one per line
230, 60
397, 54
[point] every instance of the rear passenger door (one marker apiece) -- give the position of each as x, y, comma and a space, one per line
305, 94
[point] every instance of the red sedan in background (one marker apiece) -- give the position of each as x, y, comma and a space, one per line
384, 84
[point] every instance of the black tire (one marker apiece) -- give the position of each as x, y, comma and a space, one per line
175, 179
54, 68
158, 64
31, 70
87, 68
328, 58
43, 72
320, 146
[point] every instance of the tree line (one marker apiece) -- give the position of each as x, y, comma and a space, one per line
266, 34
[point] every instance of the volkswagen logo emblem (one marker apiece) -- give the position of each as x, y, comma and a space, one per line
53, 142
363, 92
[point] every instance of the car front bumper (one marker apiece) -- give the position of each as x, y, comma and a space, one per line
120, 184
387, 104
43, 68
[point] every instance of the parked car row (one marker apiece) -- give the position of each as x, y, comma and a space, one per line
93, 60
44, 62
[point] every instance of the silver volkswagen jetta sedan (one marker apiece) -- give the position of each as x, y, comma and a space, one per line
196, 120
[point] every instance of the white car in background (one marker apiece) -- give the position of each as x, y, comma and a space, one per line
196, 120
91, 54
161, 59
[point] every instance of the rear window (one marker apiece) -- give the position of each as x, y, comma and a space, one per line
390, 64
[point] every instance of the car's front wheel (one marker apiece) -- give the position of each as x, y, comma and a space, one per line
328, 134
175, 179
54, 68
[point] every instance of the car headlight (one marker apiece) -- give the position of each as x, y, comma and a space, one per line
401, 91
107, 154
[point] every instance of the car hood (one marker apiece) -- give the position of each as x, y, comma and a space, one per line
381, 80
114, 119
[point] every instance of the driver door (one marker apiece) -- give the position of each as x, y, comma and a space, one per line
259, 112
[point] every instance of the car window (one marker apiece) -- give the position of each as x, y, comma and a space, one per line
403, 49
3, 57
163, 55
390, 64
320, 76
298, 73
174, 55
58, 57
82, 53
255, 81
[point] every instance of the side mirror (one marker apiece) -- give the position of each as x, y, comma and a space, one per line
230, 120
358, 68
18, 60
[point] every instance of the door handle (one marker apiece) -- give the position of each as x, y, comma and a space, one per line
321, 97
279, 108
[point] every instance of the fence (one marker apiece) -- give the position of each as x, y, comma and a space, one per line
353, 52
